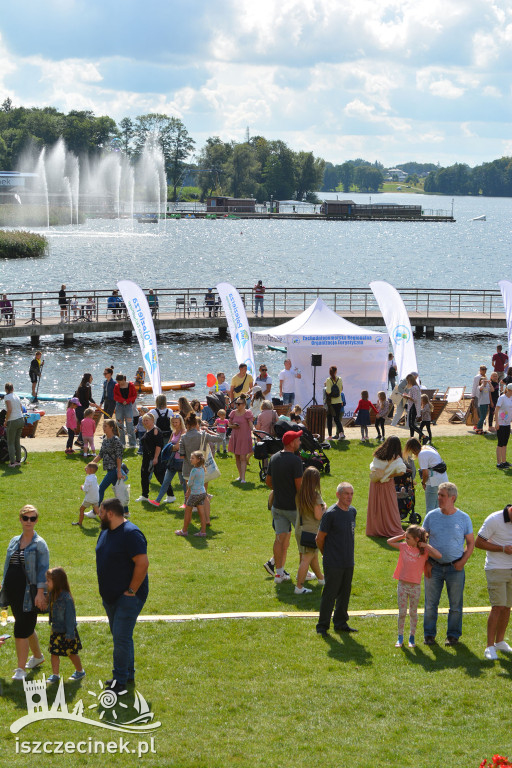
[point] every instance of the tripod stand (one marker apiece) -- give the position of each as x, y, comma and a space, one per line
316, 362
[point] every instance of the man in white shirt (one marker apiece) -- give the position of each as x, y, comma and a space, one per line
495, 536
287, 383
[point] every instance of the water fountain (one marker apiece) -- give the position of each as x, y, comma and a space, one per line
108, 185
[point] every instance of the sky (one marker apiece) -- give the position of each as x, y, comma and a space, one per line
387, 80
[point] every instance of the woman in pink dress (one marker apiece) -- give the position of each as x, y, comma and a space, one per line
240, 442
383, 518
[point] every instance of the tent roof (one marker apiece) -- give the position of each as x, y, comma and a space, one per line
316, 320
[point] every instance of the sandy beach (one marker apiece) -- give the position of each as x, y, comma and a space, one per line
46, 434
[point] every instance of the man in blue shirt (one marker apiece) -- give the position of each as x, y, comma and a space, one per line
122, 569
448, 529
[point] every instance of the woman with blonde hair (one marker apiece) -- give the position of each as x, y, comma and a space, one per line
310, 508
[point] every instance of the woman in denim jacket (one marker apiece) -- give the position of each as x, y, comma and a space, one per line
26, 563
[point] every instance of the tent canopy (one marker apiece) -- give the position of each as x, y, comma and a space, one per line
359, 354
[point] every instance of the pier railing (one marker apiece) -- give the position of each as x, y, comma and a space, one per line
40, 307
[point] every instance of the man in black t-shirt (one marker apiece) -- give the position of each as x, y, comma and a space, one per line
285, 478
122, 568
335, 540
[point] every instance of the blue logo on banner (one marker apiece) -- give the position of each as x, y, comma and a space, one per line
151, 358
242, 338
378, 339
401, 334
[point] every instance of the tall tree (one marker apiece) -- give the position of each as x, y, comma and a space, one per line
213, 158
346, 173
243, 168
309, 172
126, 131
181, 144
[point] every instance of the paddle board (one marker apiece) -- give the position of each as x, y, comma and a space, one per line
55, 398
166, 386
277, 349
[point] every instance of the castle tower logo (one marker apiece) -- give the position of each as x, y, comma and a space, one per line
129, 713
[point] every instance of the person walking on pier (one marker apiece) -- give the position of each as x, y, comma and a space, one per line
63, 304
259, 292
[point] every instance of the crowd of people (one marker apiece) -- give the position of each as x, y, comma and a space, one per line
185, 442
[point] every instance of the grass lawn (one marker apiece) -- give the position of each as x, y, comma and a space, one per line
270, 692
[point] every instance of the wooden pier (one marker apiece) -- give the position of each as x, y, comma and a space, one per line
36, 314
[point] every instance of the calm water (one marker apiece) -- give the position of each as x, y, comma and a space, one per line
191, 253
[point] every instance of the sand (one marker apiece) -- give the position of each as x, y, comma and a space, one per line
46, 434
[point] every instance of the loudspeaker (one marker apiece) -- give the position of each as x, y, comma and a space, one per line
316, 361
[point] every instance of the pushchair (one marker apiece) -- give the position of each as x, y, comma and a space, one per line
406, 498
311, 451
4, 453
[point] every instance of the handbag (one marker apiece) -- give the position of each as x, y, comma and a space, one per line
211, 470
122, 492
308, 539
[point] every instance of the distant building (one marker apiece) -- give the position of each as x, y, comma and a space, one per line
396, 174
347, 209
230, 205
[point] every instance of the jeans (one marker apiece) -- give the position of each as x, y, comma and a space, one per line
169, 474
431, 500
398, 413
338, 584
14, 428
482, 413
288, 398
122, 617
454, 580
124, 414
258, 302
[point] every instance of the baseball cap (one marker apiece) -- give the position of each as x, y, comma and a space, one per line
290, 436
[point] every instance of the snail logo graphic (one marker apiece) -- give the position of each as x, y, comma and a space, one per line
401, 334
242, 338
129, 713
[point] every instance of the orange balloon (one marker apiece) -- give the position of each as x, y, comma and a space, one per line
211, 380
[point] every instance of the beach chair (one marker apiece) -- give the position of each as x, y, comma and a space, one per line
454, 395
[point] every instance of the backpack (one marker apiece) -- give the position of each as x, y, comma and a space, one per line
163, 421
335, 390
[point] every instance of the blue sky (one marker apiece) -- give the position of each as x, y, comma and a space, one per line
392, 80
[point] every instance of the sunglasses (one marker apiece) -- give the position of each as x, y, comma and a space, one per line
263, 369
27, 519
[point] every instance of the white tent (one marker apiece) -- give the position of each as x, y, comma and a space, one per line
359, 354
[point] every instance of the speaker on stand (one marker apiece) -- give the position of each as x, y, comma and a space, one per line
316, 362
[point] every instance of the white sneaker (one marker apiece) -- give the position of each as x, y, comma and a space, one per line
91, 513
170, 499
503, 646
490, 653
278, 579
34, 662
142, 498
302, 591
310, 575
19, 674
321, 582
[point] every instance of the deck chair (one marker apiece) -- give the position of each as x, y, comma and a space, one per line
454, 395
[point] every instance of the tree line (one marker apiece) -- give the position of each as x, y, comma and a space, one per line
493, 179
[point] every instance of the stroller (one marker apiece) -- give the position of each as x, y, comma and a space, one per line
406, 498
4, 453
311, 450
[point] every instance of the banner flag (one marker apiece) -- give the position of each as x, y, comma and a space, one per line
506, 292
398, 326
238, 324
139, 313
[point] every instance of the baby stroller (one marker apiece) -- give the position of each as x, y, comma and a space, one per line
406, 498
311, 451
4, 453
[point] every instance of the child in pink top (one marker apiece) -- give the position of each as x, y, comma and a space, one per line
71, 423
414, 552
222, 424
88, 428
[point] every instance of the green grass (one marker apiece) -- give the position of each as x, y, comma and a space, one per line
269, 692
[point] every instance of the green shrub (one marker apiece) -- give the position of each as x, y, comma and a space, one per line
19, 245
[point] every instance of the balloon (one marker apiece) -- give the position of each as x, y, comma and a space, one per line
210, 380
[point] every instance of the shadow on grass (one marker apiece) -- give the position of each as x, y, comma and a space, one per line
247, 486
345, 648
457, 657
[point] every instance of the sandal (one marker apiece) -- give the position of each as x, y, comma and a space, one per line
200, 533
181, 533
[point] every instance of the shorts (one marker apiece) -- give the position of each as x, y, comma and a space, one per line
283, 519
499, 586
195, 500
91, 502
503, 436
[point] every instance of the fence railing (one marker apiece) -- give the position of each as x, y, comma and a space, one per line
36, 307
